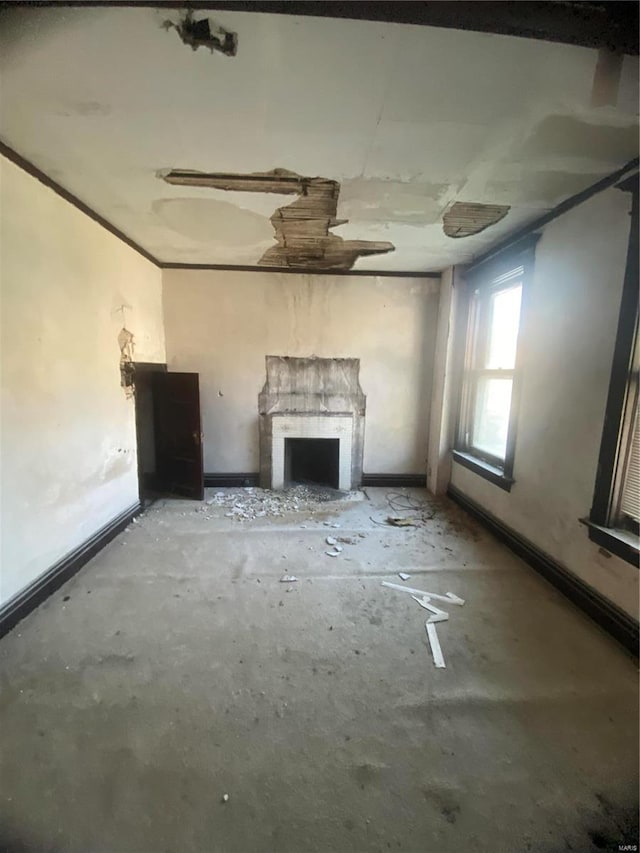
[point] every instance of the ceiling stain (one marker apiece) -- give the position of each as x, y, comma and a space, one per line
213, 221
83, 108
379, 200
566, 136
541, 187
465, 218
302, 228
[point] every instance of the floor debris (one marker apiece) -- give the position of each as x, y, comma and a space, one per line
449, 597
408, 511
403, 576
288, 579
438, 615
397, 521
332, 553
331, 540
436, 651
248, 503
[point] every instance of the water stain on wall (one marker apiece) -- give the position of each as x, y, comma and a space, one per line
302, 228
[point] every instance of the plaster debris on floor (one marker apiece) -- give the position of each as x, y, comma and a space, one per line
437, 614
243, 504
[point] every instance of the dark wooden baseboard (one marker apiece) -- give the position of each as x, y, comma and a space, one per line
385, 480
615, 621
14, 610
418, 481
212, 481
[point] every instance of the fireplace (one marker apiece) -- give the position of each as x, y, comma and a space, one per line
312, 460
312, 413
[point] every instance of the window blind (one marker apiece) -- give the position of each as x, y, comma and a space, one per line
630, 503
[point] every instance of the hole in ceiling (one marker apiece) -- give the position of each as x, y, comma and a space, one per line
303, 236
205, 33
465, 218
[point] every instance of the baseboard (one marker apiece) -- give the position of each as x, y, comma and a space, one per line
390, 480
14, 610
213, 480
615, 621
418, 481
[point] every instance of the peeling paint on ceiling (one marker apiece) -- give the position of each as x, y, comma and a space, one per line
204, 32
99, 97
466, 218
303, 228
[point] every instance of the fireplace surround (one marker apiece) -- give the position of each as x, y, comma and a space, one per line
311, 398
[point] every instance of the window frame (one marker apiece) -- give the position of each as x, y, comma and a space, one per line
602, 521
487, 279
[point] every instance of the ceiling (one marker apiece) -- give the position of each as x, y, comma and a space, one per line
406, 119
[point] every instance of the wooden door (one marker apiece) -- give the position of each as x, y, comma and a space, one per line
178, 434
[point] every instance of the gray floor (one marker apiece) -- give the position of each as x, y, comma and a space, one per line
177, 668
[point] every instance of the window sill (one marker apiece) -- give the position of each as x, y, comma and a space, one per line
622, 543
483, 469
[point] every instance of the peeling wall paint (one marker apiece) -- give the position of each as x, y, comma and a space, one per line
302, 228
126, 344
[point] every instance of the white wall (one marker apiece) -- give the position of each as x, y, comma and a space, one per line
68, 430
567, 338
223, 324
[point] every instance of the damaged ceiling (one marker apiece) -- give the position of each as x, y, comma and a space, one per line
407, 148
302, 228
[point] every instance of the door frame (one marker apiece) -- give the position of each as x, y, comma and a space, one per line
138, 368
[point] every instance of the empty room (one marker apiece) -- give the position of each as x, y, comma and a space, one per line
320, 445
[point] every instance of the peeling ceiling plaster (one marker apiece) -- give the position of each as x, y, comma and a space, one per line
304, 227
463, 219
408, 119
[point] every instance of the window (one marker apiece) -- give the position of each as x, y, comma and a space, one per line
627, 506
486, 426
615, 513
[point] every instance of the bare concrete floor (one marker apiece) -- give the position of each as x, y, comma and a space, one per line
176, 668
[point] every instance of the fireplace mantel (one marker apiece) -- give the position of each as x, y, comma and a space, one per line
311, 398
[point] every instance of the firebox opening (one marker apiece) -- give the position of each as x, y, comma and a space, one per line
312, 460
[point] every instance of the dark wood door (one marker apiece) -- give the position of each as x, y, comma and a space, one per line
178, 434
